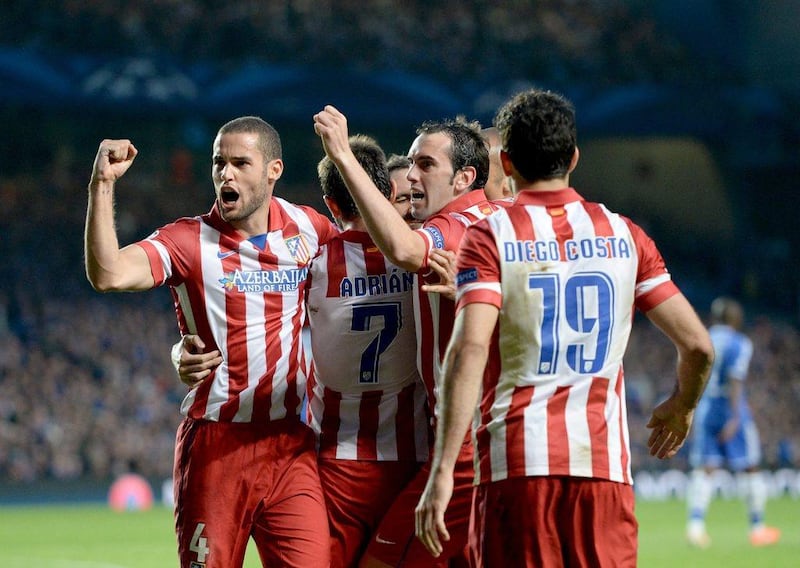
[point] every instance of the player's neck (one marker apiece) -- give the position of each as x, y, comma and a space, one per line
355, 224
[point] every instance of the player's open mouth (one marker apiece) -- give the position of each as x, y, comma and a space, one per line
417, 195
228, 195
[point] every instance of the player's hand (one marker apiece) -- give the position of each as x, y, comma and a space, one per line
443, 262
113, 159
729, 430
331, 126
429, 514
191, 363
671, 421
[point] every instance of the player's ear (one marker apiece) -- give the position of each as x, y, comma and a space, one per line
333, 207
505, 160
393, 194
574, 162
274, 169
464, 178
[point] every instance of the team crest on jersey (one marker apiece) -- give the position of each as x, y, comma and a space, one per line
298, 248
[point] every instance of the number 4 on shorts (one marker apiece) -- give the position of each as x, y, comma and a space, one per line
198, 544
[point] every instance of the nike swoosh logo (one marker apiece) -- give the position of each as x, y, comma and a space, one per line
225, 254
380, 540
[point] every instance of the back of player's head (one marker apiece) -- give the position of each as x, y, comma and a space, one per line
269, 142
371, 157
398, 162
467, 146
727, 311
492, 137
538, 132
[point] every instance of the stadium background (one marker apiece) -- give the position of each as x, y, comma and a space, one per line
687, 117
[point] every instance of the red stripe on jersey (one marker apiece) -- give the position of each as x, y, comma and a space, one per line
292, 399
337, 269
515, 429
425, 344
373, 259
523, 226
602, 227
626, 458
557, 436
447, 319
368, 425
406, 448
330, 423
561, 227
598, 428
482, 439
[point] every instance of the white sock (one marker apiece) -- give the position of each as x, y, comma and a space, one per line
756, 498
698, 499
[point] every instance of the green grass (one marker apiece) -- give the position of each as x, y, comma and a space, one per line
92, 536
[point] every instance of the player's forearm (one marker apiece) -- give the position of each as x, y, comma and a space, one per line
387, 228
101, 246
678, 320
109, 268
694, 366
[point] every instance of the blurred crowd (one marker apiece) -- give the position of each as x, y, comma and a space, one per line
476, 40
88, 389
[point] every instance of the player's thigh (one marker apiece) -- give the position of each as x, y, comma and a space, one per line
291, 526
211, 506
358, 494
744, 449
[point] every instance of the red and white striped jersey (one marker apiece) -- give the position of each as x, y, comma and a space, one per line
366, 400
566, 275
434, 314
245, 298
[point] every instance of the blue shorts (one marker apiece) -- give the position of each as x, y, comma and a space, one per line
741, 452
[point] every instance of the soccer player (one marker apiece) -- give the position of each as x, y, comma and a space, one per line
398, 168
245, 464
449, 166
367, 403
546, 293
725, 432
497, 185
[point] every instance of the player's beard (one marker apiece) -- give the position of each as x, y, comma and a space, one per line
256, 201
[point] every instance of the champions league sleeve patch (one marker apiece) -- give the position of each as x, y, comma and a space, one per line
436, 237
467, 276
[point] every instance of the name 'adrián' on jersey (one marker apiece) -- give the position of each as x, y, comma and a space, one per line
376, 284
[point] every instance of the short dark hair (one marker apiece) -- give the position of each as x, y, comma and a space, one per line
467, 146
269, 142
371, 157
398, 162
538, 132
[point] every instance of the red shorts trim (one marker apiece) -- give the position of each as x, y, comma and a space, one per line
555, 521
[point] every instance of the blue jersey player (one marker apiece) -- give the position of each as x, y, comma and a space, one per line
725, 433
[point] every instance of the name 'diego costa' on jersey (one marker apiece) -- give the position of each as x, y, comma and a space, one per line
571, 249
